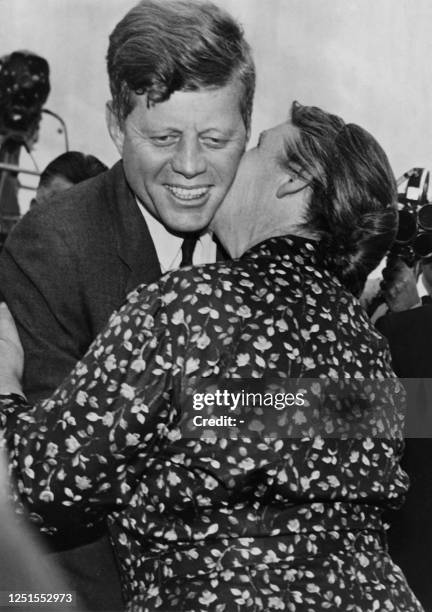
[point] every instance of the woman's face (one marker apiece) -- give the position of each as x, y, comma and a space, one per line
268, 196
264, 166
261, 172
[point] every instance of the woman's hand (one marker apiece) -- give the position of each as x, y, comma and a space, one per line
11, 354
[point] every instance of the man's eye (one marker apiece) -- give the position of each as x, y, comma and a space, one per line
164, 140
214, 142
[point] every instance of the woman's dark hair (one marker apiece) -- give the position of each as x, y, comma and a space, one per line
73, 166
163, 46
352, 210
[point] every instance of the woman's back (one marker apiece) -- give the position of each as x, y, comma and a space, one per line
214, 517
291, 522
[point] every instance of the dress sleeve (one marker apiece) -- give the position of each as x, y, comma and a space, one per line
77, 455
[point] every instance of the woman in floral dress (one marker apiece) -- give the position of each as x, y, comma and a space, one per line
205, 520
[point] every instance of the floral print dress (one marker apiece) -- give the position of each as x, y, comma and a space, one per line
222, 523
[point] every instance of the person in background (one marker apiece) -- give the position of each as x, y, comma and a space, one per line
24, 89
408, 328
182, 80
408, 323
210, 521
64, 171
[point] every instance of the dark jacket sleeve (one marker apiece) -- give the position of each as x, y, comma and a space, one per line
40, 282
409, 335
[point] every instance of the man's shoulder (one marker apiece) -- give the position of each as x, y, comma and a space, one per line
81, 220
84, 215
85, 200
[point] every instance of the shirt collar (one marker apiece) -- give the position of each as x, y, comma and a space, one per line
168, 245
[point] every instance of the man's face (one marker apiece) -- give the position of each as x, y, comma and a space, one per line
180, 156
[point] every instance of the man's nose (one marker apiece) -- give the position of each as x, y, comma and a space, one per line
189, 158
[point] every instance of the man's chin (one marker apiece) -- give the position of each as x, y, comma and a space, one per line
188, 222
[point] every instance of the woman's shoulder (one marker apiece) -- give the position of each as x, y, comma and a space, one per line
206, 283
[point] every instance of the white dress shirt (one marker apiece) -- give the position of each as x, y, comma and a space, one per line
421, 288
168, 246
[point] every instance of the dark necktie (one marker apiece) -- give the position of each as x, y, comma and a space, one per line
187, 248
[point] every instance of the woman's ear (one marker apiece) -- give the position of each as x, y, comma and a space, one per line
114, 128
290, 186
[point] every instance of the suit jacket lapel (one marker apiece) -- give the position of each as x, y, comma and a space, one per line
133, 241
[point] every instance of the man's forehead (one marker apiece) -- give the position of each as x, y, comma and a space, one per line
207, 107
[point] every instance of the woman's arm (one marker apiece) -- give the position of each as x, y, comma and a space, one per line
77, 455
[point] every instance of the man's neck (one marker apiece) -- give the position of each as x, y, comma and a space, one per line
168, 245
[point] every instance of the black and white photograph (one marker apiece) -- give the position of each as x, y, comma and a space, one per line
216, 305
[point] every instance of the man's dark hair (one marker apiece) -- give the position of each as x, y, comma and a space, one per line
160, 47
73, 166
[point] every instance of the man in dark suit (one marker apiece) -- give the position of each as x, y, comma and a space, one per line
182, 83
408, 329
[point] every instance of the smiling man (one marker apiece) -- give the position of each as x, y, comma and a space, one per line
181, 155
182, 82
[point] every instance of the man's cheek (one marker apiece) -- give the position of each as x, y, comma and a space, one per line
228, 170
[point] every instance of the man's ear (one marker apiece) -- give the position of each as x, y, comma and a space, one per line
114, 128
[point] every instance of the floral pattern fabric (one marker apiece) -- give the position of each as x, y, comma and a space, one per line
219, 523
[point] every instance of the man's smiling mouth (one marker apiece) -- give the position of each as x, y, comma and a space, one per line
188, 193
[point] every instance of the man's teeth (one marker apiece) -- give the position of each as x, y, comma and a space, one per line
188, 194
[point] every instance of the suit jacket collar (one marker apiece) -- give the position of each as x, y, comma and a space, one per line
131, 235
